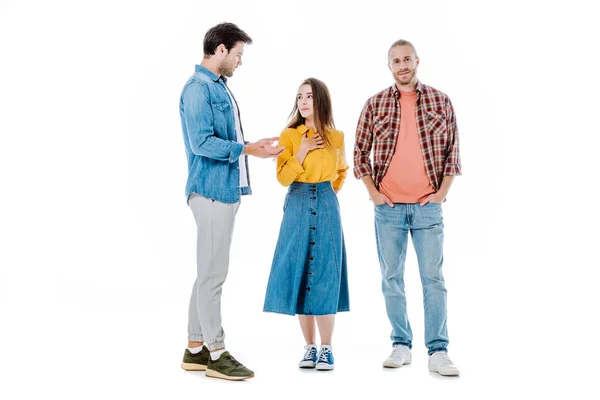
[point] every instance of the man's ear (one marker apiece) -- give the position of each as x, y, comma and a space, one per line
221, 50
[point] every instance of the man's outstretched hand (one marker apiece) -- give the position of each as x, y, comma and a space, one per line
263, 148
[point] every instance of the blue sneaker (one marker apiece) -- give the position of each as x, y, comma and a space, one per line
310, 357
325, 362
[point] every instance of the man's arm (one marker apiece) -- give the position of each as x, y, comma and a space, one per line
452, 167
363, 144
362, 152
376, 197
203, 141
198, 118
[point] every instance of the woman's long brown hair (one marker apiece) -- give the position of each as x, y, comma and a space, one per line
322, 112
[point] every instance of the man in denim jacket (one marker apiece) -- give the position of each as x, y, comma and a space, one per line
217, 176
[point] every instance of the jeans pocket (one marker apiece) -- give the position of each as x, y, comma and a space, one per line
380, 208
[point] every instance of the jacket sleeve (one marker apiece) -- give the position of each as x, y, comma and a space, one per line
198, 118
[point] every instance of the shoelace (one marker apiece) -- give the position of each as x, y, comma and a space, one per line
323, 355
235, 362
310, 353
444, 359
397, 351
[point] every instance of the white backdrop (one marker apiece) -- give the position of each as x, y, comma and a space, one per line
97, 255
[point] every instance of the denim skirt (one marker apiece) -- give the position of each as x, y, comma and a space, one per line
309, 274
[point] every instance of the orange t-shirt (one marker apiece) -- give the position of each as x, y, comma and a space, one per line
406, 180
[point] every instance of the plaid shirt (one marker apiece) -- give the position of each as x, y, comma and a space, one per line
379, 125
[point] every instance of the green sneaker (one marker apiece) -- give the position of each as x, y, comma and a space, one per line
227, 367
195, 362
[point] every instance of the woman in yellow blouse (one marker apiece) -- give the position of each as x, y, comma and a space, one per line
308, 275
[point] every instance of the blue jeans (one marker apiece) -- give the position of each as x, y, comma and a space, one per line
426, 226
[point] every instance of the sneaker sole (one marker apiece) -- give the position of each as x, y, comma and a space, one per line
391, 364
324, 367
215, 374
306, 364
193, 367
446, 373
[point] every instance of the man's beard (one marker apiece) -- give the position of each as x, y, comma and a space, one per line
226, 69
405, 80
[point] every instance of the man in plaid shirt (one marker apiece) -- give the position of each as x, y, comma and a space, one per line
410, 128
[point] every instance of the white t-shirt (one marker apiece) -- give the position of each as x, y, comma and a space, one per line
240, 139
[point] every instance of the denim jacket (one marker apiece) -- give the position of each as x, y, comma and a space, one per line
213, 152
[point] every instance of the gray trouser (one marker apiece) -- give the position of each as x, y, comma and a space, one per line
215, 222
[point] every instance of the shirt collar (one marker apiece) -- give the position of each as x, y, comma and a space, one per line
396, 93
302, 129
211, 75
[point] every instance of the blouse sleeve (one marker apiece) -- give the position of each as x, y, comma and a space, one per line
288, 166
342, 166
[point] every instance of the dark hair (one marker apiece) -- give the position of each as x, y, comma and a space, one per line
403, 42
322, 111
225, 33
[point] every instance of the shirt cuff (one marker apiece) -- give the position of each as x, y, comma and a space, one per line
362, 170
452, 169
338, 184
236, 151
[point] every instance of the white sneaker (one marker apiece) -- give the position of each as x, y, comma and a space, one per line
400, 355
440, 362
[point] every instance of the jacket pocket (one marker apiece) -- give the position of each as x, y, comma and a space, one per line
220, 113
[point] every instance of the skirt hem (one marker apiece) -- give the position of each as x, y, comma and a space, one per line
312, 314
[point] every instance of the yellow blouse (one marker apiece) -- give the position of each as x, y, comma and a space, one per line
320, 165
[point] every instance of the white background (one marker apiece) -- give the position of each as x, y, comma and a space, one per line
97, 242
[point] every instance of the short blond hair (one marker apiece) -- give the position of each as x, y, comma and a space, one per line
403, 42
